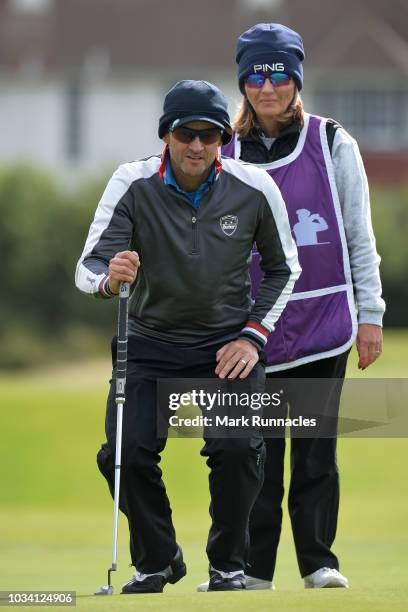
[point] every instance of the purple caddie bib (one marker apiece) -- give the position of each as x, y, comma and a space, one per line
320, 318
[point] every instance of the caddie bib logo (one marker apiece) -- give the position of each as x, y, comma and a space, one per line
308, 226
229, 224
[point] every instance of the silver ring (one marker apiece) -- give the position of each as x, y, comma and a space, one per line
244, 362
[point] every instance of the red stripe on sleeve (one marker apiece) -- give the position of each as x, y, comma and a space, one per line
258, 328
101, 287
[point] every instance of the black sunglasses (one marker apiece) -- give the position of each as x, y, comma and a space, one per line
187, 135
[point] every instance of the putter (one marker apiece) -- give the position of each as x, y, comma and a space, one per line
120, 400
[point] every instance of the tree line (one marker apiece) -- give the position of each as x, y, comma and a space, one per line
43, 226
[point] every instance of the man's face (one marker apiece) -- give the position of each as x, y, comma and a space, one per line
193, 159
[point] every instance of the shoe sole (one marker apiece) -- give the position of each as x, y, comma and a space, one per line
139, 592
327, 585
226, 589
203, 588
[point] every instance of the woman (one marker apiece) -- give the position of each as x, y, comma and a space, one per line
337, 299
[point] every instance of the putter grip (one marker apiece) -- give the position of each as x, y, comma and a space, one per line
122, 340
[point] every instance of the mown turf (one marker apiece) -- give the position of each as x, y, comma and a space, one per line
56, 516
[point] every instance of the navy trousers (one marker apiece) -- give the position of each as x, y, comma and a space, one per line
236, 464
313, 498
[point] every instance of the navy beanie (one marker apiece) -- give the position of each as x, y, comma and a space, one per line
195, 101
270, 47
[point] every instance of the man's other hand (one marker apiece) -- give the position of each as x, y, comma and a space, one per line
236, 359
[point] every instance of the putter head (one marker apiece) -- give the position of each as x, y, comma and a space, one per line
105, 590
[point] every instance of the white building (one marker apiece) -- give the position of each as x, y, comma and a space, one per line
82, 81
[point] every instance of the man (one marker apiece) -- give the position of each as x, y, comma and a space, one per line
164, 224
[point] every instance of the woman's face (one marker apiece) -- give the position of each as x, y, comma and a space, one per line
268, 101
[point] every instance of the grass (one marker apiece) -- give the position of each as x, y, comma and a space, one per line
56, 516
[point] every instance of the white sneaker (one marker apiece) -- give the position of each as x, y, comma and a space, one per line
326, 578
257, 584
252, 584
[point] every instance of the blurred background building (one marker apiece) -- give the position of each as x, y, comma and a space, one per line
82, 81
82, 84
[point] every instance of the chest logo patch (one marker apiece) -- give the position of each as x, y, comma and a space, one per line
229, 224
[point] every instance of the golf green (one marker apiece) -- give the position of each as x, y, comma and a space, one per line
56, 515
